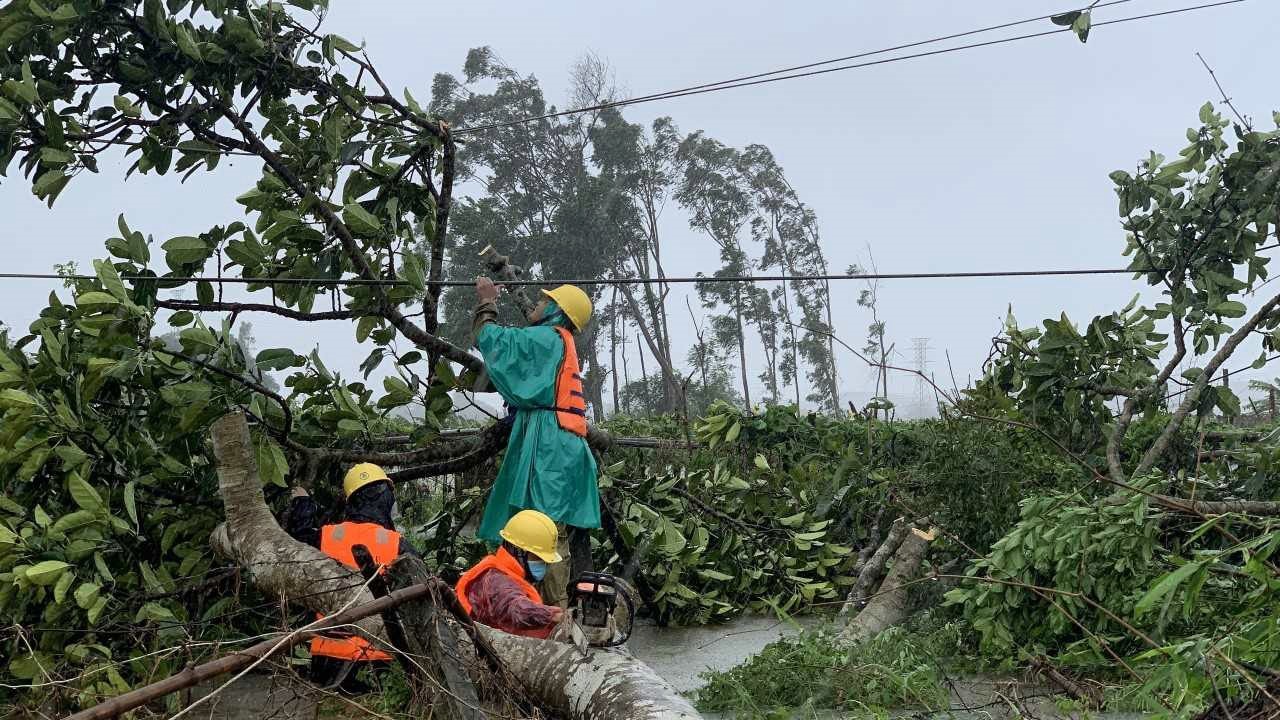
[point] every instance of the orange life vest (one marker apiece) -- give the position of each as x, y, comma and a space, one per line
571, 404
337, 541
505, 563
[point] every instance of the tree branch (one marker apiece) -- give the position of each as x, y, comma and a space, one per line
233, 307
1192, 400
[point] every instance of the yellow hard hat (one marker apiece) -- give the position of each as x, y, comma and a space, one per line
361, 475
532, 531
575, 304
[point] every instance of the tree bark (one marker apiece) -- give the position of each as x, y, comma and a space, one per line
888, 606
599, 686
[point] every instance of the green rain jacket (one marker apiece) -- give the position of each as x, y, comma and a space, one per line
546, 468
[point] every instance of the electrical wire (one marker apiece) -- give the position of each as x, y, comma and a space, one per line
819, 63
764, 78
1233, 373
712, 280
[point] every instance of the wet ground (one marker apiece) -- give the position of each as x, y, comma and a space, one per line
681, 655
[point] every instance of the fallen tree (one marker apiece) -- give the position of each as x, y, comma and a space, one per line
556, 676
905, 547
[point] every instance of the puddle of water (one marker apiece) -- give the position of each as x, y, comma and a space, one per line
680, 655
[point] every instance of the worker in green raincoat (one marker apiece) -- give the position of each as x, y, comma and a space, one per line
548, 466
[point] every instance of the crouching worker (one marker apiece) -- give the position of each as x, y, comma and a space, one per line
336, 657
498, 591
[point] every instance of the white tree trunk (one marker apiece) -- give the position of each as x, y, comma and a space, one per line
600, 686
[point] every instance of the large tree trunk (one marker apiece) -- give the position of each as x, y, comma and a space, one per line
599, 686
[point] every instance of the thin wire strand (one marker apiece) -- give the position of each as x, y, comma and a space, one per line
608, 281
761, 80
590, 281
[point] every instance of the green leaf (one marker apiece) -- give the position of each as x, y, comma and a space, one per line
47, 572
361, 221
181, 318
186, 43
198, 339
14, 397
126, 106
761, 462
110, 280
96, 301
83, 493
87, 594
1206, 113
49, 184
63, 585
1231, 309
154, 611
1065, 19
96, 611
413, 272
278, 359
74, 520
1082, 25
131, 501
184, 250
1164, 586
342, 43
365, 326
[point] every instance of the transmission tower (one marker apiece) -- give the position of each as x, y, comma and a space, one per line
920, 346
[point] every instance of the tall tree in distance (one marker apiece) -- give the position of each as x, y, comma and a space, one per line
541, 204
642, 168
718, 198
787, 229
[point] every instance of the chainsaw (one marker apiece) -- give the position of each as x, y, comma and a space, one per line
593, 601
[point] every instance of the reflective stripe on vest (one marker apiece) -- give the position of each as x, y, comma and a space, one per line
337, 541
503, 562
570, 404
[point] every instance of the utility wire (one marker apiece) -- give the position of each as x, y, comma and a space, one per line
819, 63
763, 78
1233, 373
355, 282
589, 281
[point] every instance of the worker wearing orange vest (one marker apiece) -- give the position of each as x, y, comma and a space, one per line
498, 591
548, 466
370, 501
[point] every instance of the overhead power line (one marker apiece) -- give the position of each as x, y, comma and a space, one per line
586, 281
787, 74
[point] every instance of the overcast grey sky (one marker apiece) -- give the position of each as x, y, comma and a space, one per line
989, 159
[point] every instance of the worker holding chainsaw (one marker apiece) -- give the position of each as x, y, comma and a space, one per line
498, 591
548, 466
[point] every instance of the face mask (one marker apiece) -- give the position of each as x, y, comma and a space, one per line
537, 569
